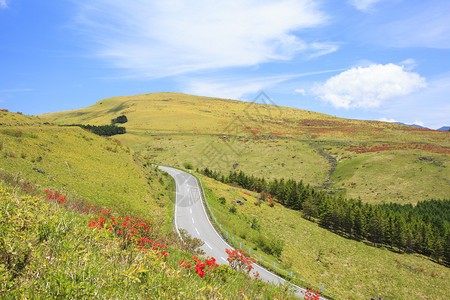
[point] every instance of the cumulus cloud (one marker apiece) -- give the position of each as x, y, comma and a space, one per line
364, 5
368, 87
162, 38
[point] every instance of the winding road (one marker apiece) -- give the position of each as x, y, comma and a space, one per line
190, 215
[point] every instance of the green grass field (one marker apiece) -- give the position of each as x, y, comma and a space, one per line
280, 142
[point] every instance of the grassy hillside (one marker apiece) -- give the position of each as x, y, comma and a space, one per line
344, 267
82, 165
80, 217
386, 162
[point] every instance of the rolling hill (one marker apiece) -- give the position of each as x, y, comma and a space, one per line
375, 161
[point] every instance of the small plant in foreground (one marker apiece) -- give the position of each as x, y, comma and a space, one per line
311, 294
240, 260
57, 196
200, 267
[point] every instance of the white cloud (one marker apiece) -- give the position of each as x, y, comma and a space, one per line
409, 64
417, 122
364, 5
238, 87
387, 120
161, 38
368, 87
3, 4
300, 91
230, 88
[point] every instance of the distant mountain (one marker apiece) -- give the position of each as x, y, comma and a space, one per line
444, 128
413, 125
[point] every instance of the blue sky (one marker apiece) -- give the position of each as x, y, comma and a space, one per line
362, 59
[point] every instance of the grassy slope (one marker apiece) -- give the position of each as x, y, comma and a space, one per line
273, 141
347, 268
49, 250
81, 164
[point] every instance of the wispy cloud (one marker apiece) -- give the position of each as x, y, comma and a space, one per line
237, 87
422, 25
368, 87
163, 38
16, 90
364, 5
3, 4
230, 88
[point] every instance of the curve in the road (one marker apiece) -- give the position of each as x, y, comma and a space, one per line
190, 215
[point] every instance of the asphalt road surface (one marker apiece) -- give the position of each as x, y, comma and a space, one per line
190, 215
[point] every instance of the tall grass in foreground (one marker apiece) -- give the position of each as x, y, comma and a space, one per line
48, 250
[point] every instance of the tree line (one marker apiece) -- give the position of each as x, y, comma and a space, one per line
106, 130
424, 228
103, 130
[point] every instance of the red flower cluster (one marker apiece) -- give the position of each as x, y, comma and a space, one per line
61, 199
184, 264
200, 267
97, 224
311, 294
136, 230
240, 260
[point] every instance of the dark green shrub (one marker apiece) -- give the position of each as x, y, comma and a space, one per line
188, 166
120, 119
270, 246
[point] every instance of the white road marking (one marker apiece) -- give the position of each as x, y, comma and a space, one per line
224, 259
208, 245
197, 231
190, 210
193, 220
